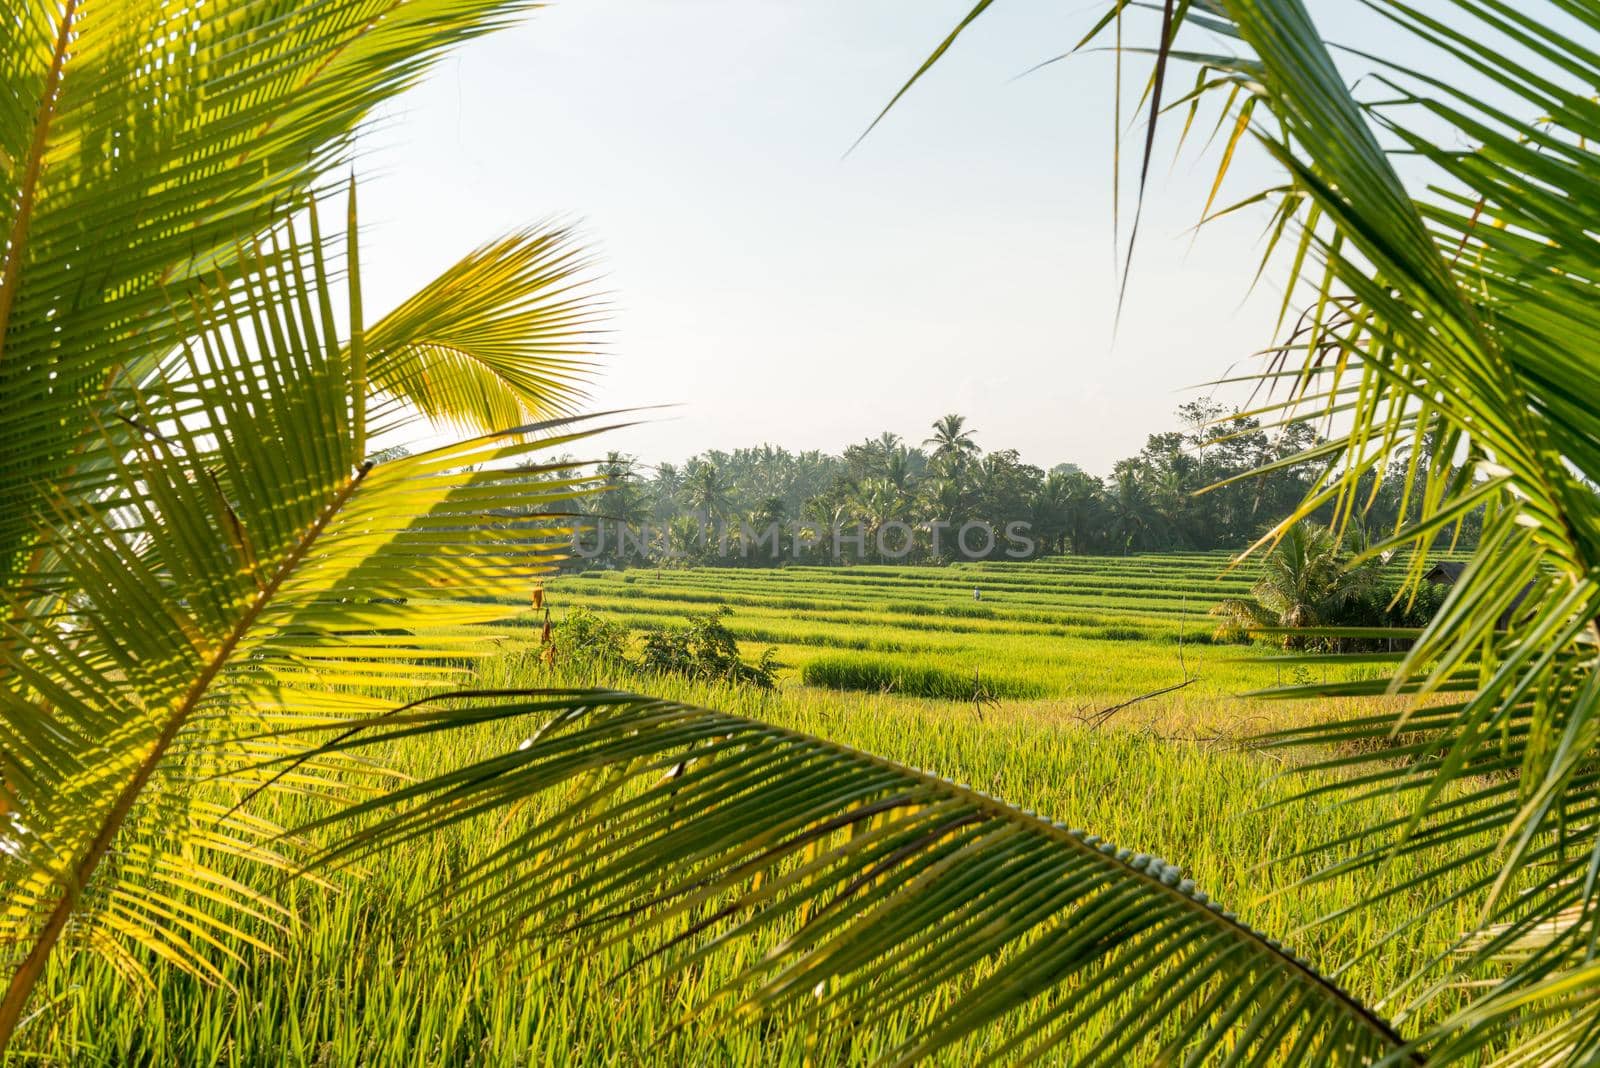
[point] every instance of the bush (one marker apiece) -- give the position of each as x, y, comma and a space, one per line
1198, 637
705, 650
592, 640
1374, 610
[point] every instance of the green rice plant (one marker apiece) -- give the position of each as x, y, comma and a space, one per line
1054, 650
1117, 634
372, 974
896, 675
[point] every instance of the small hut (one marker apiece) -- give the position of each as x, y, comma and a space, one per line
1444, 573
1448, 573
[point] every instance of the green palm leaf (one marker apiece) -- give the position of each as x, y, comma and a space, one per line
1456, 324
864, 886
140, 144
1466, 309
1435, 179
503, 337
247, 571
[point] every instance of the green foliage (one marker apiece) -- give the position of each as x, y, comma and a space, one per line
1443, 290
1221, 482
203, 554
239, 580
705, 650
1448, 294
1394, 604
715, 509
1311, 579
1318, 591
211, 588
594, 640
143, 151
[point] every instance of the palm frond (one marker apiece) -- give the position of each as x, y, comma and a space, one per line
247, 571
1450, 319
142, 144
864, 887
503, 337
1435, 180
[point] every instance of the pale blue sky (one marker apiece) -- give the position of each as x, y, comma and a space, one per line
961, 259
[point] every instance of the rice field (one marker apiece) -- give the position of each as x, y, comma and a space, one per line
363, 973
1065, 635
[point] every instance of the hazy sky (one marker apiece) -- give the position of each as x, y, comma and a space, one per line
960, 260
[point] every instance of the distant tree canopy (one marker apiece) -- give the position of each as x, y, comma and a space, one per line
1194, 488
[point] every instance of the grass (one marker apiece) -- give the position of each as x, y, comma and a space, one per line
1065, 634
366, 974
881, 674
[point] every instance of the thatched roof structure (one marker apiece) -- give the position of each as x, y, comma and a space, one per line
1444, 573
1448, 573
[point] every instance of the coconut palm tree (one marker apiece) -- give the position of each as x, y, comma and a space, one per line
620, 498
667, 488
706, 491
874, 503
902, 468
769, 523
1307, 581
1135, 520
1069, 510
953, 443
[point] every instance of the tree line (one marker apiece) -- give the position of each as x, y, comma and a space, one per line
1217, 481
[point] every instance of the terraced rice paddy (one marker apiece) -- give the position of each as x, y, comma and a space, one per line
365, 974
1063, 633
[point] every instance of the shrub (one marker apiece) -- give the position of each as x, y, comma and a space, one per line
593, 640
1374, 609
1197, 637
705, 650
